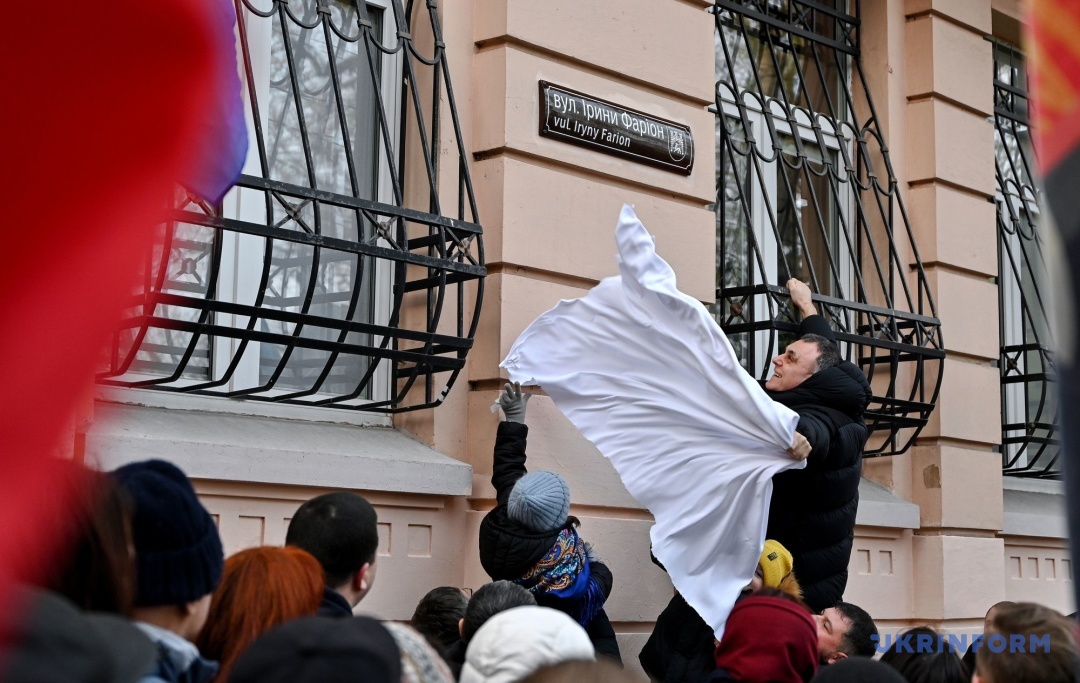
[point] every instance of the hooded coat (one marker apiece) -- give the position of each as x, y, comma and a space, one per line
813, 510
508, 549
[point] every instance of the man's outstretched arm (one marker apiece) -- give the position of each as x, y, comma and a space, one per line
812, 322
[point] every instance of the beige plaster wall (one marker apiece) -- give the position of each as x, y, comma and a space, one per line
419, 536
880, 573
1039, 570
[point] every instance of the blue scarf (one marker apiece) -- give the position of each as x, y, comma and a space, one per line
564, 572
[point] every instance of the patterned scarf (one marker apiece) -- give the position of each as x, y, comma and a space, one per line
564, 572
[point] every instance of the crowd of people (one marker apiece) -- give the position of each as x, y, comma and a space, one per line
145, 593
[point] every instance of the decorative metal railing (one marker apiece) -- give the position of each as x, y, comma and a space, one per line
1029, 439
806, 189
336, 273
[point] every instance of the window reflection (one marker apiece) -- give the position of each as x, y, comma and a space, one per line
806, 218
1029, 405
776, 64
343, 282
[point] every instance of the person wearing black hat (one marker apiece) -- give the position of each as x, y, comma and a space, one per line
178, 560
321, 650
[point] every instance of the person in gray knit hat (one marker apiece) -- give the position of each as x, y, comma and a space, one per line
178, 564
540, 501
531, 539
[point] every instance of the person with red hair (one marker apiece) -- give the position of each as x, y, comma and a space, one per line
260, 588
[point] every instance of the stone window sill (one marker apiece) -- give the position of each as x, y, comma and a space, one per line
267, 450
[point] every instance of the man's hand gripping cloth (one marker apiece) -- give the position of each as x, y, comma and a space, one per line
647, 375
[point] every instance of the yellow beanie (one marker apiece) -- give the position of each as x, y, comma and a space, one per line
775, 563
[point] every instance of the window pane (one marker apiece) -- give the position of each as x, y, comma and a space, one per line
758, 59
733, 225
1029, 405
180, 264
327, 284
806, 217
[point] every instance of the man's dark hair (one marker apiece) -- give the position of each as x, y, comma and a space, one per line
937, 664
437, 615
489, 600
340, 529
859, 638
829, 354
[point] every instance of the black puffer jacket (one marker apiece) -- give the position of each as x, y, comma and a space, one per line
508, 550
681, 646
813, 509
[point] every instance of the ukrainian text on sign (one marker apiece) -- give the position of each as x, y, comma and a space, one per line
579, 119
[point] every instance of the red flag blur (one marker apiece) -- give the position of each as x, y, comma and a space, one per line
101, 117
1053, 48
1053, 45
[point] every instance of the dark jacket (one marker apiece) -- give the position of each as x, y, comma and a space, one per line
334, 604
508, 550
813, 510
681, 646
455, 657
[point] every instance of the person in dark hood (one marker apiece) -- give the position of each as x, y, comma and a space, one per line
812, 512
530, 539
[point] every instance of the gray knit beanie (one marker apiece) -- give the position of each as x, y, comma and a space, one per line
540, 501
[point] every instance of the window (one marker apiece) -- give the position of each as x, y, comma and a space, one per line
331, 275
1028, 402
805, 190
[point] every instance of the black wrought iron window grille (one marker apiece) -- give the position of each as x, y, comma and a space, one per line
346, 268
1029, 410
806, 189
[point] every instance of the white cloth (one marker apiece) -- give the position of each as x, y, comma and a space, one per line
516, 643
647, 375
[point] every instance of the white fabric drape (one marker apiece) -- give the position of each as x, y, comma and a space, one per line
647, 375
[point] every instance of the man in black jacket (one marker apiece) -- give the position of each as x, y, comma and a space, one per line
813, 509
341, 531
